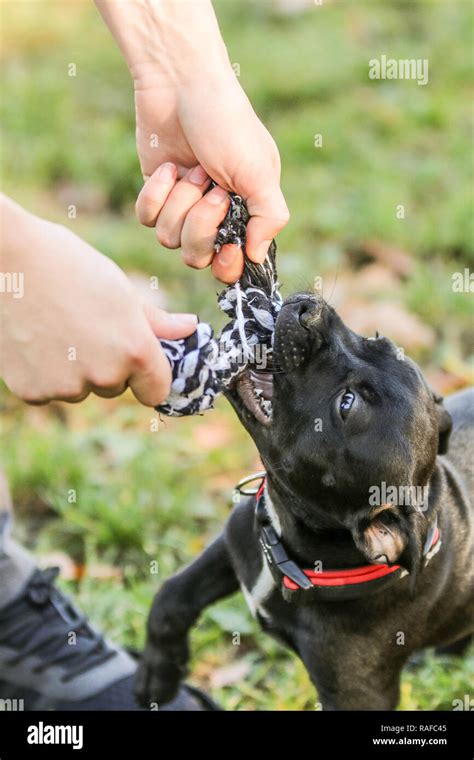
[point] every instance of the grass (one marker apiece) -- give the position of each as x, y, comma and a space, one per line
92, 481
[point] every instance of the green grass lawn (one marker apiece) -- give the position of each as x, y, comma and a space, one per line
93, 481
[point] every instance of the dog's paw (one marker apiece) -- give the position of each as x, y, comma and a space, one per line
159, 675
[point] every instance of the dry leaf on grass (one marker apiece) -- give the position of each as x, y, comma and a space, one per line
394, 258
391, 320
447, 382
71, 571
229, 674
212, 435
372, 281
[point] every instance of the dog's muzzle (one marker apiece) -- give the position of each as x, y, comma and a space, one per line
299, 330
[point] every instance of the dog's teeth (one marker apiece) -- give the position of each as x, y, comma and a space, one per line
259, 394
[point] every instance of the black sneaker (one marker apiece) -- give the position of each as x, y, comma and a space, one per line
52, 659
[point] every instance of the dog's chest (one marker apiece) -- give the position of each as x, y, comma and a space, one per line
257, 593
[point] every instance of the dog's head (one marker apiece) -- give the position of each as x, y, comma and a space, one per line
348, 415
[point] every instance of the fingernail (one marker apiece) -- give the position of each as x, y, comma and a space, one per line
197, 175
167, 172
216, 196
262, 250
228, 253
185, 320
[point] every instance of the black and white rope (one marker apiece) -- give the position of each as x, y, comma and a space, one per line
203, 365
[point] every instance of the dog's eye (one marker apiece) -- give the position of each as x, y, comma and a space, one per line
346, 403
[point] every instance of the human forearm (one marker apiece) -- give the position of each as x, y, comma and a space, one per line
178, 38
18, 230
71, 321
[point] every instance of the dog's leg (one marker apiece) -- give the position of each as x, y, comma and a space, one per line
457, 648
347, 679
175, 609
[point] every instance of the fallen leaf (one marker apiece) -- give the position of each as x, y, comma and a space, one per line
67, 566
391, 320
72, 571
395, 259
374, 279
212, 435
102, 572
229, 674
446, 382
370, 282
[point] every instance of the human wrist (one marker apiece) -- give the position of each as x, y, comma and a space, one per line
175, 40
18, 230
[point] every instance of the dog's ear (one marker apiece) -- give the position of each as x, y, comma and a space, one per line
393, 535
382, 541
412, 557
445, 424
380, 535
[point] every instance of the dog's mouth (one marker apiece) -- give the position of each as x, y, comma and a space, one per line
255, 390
295, 338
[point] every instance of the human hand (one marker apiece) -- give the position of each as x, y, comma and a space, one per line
194, 122
216, 128
79, 325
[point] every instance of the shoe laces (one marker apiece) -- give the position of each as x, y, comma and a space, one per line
39, 622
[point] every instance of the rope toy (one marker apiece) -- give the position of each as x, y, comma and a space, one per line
202, 366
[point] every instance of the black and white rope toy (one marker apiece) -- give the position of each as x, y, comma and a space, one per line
202, 366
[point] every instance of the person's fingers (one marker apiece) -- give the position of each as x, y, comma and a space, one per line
268, 215
182, 198
181, 171
109, 392
199, 229
150, 383
154, 194
76, 399
228, 264
70, 396
169, 326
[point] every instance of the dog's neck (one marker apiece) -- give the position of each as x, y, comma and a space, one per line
323, 538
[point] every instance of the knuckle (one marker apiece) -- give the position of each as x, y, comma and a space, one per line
144, 208
106, 380
283, 219
201, 214
29, 392
166, 238
30, 396
137, 353
70, 392
194, 260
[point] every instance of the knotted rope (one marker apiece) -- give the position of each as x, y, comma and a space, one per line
202, 366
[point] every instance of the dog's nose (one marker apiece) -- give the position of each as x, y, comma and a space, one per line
307, 309
309, 312
298, 330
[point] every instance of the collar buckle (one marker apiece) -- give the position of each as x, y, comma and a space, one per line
273, 550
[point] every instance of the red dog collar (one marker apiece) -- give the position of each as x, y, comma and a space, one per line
329, 585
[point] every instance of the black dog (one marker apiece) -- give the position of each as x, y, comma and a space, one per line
351, 421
